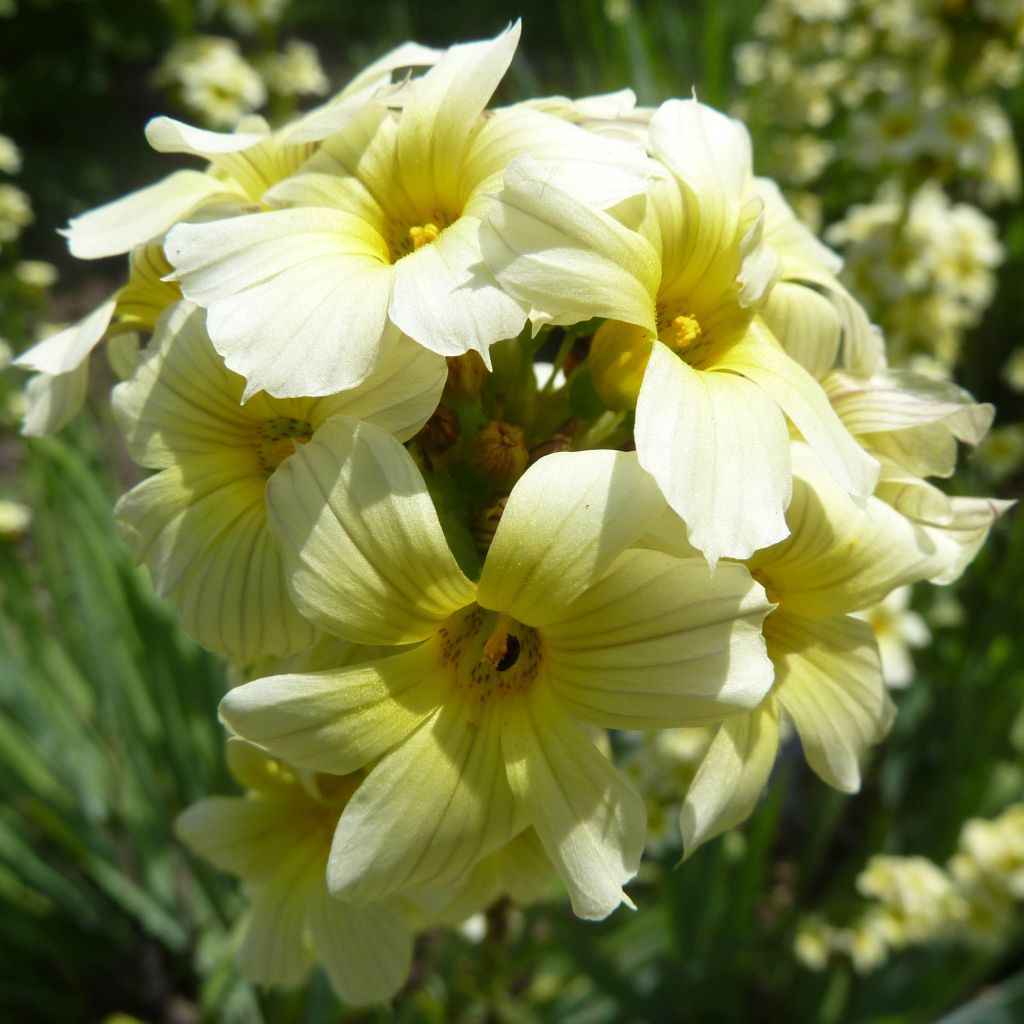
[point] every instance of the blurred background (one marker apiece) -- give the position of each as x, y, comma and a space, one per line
893, 127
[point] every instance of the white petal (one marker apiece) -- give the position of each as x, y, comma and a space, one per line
893, 399
297, 299
843, 555
962, 537
710, 153
446, 299
372, 83
201, 529
274, 950
337, 720
806, 325
595, 169
53, 401
707, 150
719, 449
366, 951
167, 135
68, 349
437, 118
590, 820
567, 518
549, 249
144, 215
760, 359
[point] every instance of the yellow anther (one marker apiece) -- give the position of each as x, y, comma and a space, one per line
423, 234
686, 330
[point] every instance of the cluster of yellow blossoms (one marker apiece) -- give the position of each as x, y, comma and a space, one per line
915, 902
905, 98
449, 573
219, 81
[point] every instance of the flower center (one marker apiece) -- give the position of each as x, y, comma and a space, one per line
423, 234
685, 331
276, 439
489, 654
406, 236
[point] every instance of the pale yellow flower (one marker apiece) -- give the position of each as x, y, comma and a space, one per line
481, 727
684, 343
200, 523
277, 839
378, 233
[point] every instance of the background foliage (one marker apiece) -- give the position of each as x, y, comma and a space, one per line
108, 712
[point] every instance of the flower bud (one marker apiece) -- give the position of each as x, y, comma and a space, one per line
499, 453
439, 434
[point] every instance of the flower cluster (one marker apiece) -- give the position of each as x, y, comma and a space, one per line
216, 79
449, 573
914, 78
915, 902
903, 96
930, 263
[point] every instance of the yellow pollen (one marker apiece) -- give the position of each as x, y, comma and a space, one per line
424, 234
686, 330
496, 647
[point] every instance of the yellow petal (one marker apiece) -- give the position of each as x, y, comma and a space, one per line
661, 641
589, 819
731, 776
430, 809
567, 518
366, 555
830, 683
338, 720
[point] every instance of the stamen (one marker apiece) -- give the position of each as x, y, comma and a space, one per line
686, 329
424, 234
